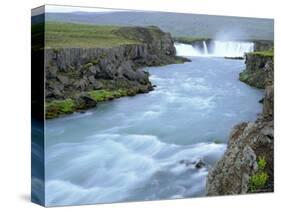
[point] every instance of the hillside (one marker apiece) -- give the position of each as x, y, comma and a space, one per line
178, 24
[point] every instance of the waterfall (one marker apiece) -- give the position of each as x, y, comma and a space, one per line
232, 48
186, 50
205, 48
216, 49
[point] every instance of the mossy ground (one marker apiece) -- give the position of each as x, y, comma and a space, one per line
56, 108
104, 95
59, 107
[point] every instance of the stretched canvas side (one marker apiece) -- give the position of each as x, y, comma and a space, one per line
37, 106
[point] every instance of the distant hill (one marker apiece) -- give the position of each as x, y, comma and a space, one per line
178, 24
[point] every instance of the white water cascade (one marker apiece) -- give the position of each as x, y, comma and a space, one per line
205, 48
216, 49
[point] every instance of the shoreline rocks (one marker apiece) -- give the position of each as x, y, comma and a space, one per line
247, 143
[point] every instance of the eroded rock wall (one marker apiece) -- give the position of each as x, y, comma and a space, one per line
259, 70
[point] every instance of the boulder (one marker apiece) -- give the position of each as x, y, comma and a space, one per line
199, 164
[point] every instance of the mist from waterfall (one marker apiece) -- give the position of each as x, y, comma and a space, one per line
216, 48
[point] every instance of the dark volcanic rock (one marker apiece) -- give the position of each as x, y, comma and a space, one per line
199, 164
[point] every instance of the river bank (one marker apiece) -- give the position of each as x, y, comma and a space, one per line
77, 78
247, 165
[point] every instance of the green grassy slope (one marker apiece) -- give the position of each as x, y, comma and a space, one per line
73, 35
268, 53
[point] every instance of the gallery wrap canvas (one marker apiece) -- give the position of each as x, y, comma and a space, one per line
143, 105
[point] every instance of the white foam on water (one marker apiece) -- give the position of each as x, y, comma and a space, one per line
111, 167
130, 149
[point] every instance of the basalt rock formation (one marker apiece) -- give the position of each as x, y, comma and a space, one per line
84, 76
259, 69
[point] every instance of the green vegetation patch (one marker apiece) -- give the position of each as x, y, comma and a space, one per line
262, 163
268, 53
56, 108
59, 107
260, 179
190, 40
104, 95
58, 34
244, 76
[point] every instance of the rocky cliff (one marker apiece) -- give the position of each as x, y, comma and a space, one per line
78, 78
259, 69
247, 165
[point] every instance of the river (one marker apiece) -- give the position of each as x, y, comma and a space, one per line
145, 147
